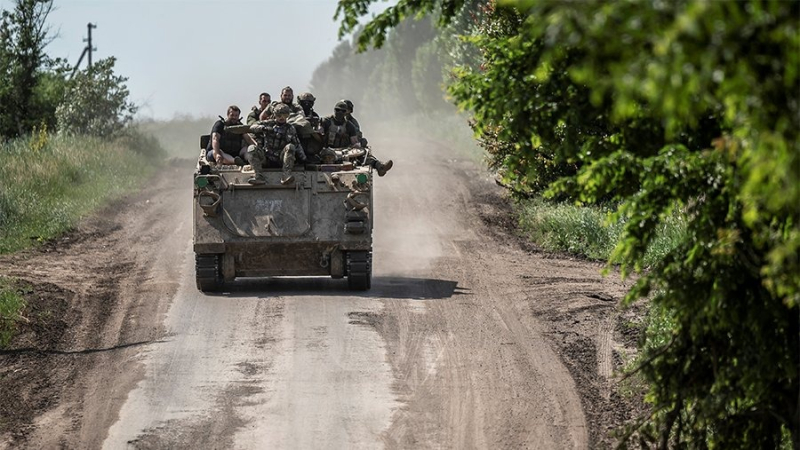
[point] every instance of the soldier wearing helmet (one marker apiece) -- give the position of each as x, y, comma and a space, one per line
287, 97
337, 132
306, 101
371, 160
280, 147
225, 147
307, 125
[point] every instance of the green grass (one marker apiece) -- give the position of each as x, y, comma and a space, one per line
11, 304
48, 183
585, 231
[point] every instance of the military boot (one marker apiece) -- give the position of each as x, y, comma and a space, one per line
257, 178
384, 167
256, 157
287, 155
287, 177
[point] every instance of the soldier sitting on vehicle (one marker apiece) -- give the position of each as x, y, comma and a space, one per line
337, 132
225, 147
307, 125
287, 97
279, 147
306, 101
371, 160
264, 100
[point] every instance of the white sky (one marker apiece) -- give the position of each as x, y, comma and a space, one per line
198, 57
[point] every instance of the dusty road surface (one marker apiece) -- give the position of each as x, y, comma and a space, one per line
467, 339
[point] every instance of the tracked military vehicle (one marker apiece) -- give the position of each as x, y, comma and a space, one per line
320, 225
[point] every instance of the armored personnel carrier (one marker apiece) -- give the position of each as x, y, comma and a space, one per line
321, 225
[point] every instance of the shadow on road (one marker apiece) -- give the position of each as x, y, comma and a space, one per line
382, 287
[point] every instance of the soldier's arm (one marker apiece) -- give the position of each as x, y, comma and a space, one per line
249, 139
353, 133
215, 137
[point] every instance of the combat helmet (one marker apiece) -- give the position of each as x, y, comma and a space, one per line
306, 97
281, 110
341, 105
349, 105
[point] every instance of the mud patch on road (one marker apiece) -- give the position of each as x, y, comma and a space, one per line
215, 431
367, 318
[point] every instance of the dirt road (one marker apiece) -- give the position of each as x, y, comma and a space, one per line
468, 338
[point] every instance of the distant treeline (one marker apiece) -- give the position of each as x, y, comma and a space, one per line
406, 76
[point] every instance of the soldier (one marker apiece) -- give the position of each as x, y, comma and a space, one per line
371, 160
287, 97
225, 147
307, 126
306, 101
264, 100
280, 147
337, 132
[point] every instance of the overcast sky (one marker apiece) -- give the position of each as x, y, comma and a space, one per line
197, 57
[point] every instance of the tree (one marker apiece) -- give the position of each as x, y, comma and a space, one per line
97, 102
23, 37
682, 105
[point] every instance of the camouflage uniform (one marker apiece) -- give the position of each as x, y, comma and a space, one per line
279, 147
252, 118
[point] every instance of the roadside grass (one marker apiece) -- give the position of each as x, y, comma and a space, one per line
585, 230
11, 303
49, 183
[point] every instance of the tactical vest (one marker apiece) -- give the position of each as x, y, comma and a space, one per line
230, 143
337, 135
278, 136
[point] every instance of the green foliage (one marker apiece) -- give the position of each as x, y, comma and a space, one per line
47, 184
11, 306
374, 33
32, 82
97, 102
683, 106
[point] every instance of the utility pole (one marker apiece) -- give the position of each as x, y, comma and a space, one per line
88, 49
88, 40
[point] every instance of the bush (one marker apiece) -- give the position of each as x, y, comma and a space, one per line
97, 102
